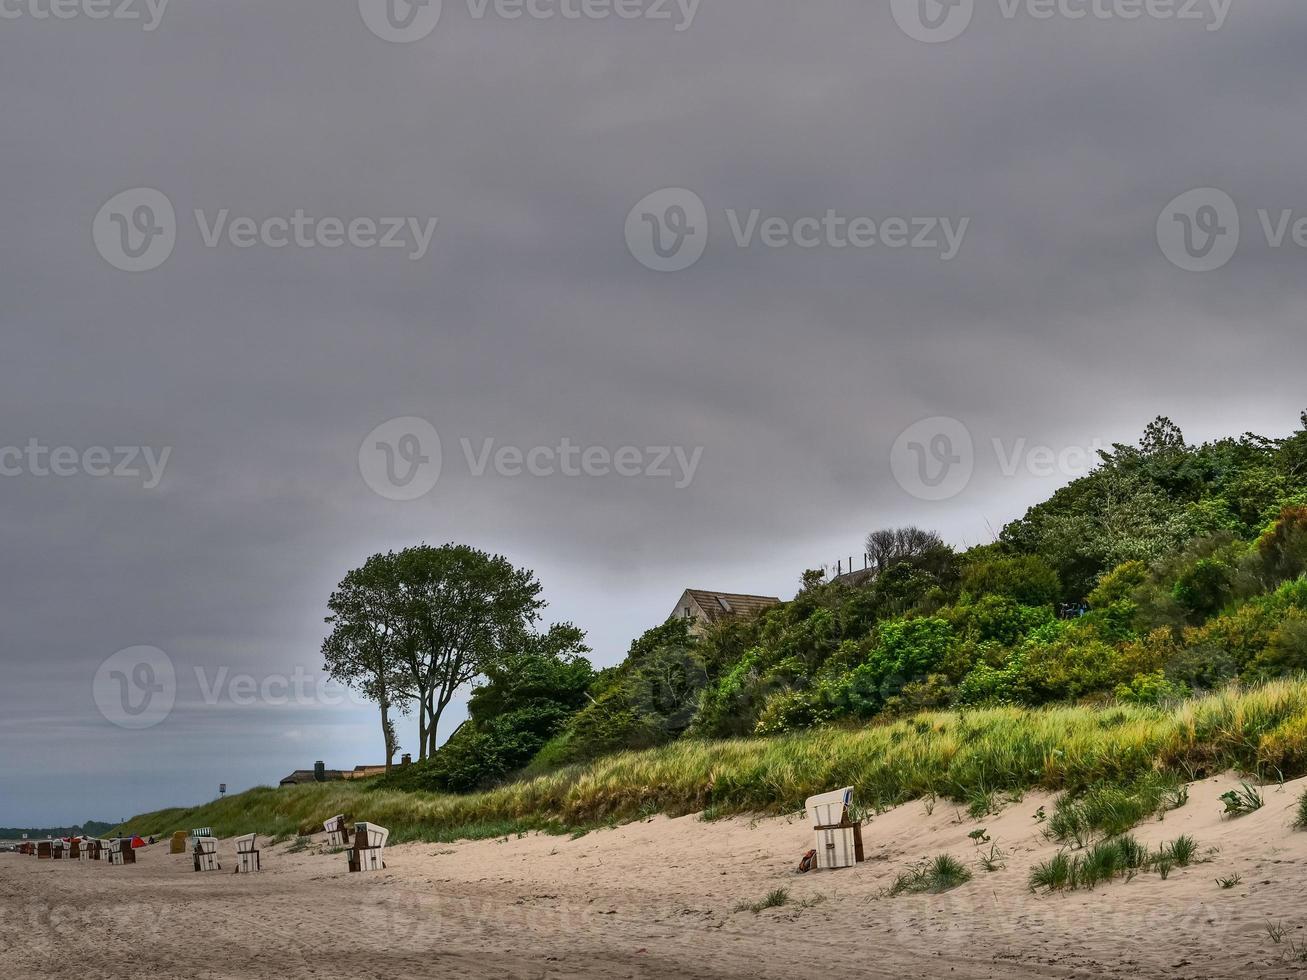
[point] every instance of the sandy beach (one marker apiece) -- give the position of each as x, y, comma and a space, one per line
659, 899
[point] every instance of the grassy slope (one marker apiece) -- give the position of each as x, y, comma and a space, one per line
959, 755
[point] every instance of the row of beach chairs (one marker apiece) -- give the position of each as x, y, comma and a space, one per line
86, 849
366, 844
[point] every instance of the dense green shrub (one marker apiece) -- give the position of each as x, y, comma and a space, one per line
1026, 579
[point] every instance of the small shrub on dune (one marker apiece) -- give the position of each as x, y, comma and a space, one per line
1300, 823
1245, 799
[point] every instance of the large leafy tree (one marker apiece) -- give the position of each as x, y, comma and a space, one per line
418, 625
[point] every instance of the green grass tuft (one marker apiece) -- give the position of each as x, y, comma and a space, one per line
1109, 810
1300, 822
776, 898
942, 874
1108, 860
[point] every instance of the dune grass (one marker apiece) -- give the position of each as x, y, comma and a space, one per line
1300, 818
959, 755
1108, 860
934, 877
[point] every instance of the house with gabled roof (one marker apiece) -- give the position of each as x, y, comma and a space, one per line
706, 608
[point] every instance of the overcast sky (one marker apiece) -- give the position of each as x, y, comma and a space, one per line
769, 397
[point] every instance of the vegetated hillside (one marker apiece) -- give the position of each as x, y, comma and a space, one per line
1182, 567
1117, 764
1170, 571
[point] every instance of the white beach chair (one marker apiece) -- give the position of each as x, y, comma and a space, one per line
337, 832
199, 833
205, 854
57, 851
247, 854
839, 840
369, 850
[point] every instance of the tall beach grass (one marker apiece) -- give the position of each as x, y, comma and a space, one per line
959, 755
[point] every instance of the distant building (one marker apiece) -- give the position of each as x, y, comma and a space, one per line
321, 774
706, 608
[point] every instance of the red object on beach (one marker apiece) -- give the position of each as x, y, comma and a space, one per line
137, 842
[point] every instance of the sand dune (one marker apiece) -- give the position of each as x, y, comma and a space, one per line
658, 899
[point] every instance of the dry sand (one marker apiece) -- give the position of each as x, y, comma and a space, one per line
658, 899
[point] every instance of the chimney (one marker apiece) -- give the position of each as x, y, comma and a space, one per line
406, 759
320, 772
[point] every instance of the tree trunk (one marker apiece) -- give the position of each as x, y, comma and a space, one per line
387, 735
433, 732
422, 729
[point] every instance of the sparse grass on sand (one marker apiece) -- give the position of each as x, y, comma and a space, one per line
1300, 821
1107, 860
774, 900
963, 756
942, 874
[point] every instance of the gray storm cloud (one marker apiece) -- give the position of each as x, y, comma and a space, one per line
521, 146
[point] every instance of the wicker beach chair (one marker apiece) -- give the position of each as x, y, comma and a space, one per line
45, 850
75, 850
205, 854
369, 850
337, 833
121, 852
839, 839
247, 854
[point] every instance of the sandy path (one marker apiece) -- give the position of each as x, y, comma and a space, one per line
657, 899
